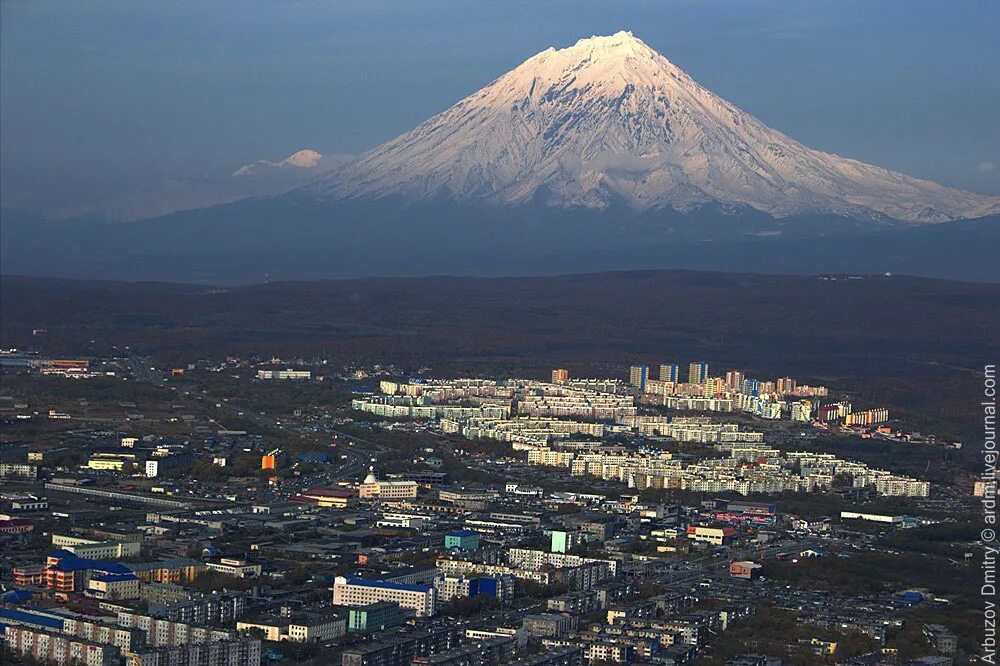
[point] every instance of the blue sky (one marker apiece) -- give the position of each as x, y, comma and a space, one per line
109, 95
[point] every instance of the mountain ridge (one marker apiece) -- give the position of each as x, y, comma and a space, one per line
240, 242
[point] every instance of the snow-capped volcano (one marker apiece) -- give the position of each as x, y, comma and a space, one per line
610, 120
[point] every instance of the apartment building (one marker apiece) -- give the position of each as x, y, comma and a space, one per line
373, 617
454, 587
53, 648
97, 550
239, 652
355, 591
303, 629
236, 568
403, 648
167, 633
18, 471
113, 587
537, 559
75, 626
173, 570
168, 603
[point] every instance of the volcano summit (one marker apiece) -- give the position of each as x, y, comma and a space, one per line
609, 120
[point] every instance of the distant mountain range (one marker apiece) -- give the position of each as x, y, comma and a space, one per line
144, 199
600, 156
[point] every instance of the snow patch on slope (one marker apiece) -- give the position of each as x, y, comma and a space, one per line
303, 159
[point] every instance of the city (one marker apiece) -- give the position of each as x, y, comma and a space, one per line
166, 519
546, 333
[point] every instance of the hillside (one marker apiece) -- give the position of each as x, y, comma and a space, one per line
917, 343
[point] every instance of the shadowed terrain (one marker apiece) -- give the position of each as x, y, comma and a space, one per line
912, 343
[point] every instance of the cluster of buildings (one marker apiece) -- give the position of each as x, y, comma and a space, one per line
106, 638
72, 368
750, 467
134, 593
563, 424
287, 374
99, 598
783, 398
557, 559
133, 458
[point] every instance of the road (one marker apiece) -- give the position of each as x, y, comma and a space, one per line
357, 460
712, 568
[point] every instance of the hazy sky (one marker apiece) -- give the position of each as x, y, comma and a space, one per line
101, 96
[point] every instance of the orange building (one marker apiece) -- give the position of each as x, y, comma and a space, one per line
267, 462
65, 572
745, 569
31, 574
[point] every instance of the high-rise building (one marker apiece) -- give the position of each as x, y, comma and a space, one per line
734, 380
697, 372
870, 417
786, 385
637, 376
560, 375
670, 372
802, 411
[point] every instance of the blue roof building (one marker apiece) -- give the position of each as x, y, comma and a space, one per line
17, 596
28, 618
356, 591
67, 561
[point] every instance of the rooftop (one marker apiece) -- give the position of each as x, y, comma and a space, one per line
68, 561
385, 585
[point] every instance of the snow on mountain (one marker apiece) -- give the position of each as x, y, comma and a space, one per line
138, 199
610, 120
303, 159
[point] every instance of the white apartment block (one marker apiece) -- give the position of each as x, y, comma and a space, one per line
96, 550
352, 591
539, 559
296, 630
165, 633
51, 648
236, 568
